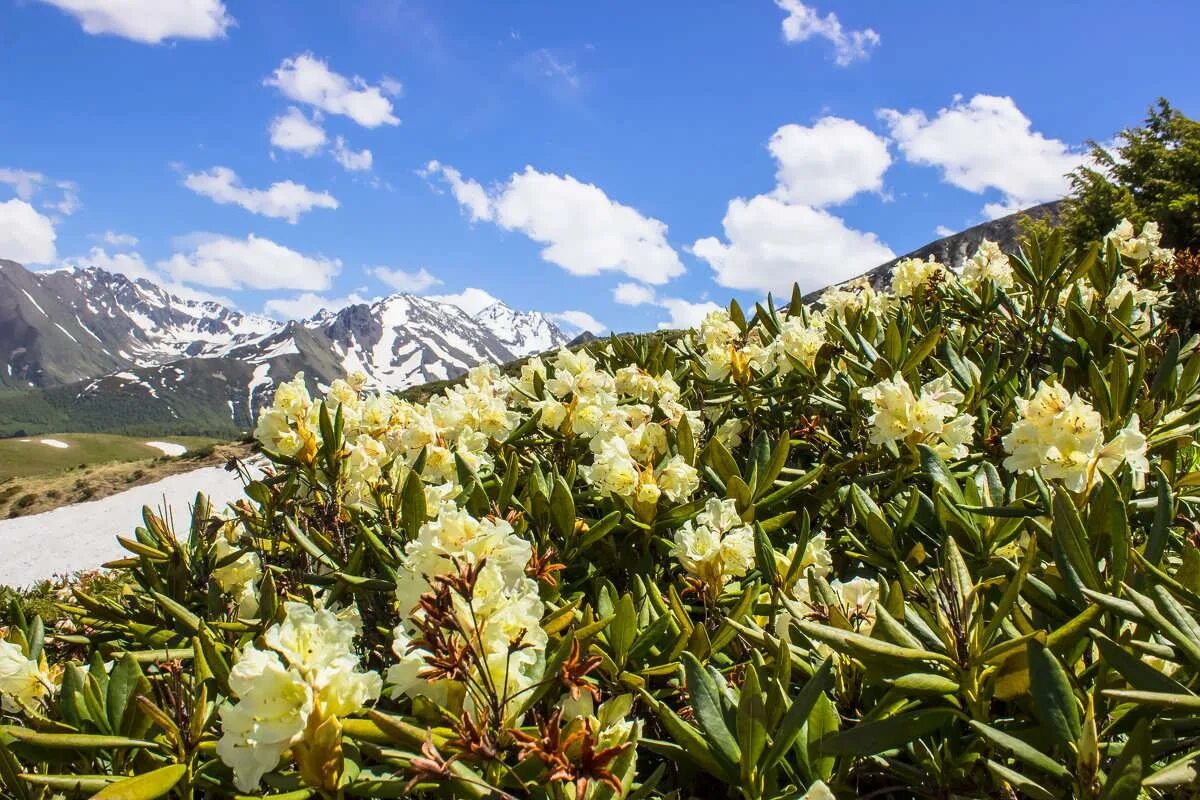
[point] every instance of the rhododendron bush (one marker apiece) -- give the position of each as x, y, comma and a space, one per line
931, 538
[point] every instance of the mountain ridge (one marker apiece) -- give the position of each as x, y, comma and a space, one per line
77, 340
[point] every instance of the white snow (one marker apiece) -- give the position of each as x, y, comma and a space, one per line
35, 304
168, 448
57, 443
67, 332
83, 536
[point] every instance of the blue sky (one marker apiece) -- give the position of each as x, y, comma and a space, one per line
622, 162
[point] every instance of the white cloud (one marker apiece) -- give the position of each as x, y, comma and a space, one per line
681, 313
984, 144
403, 281
633, 294
69, 203
579, 320
295, 132
131, 265
828, 163
23, 182
685, 314
772, 245
786, 236
351, 160
26, 236
803, 22
150, 21
307, 79
118, 239
585, 232
282, 200
469, 193
470, 300
307, 304
943, 231
251, 263
27, 183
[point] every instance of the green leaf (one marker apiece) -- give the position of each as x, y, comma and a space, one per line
751, 724
144, 787
413, 512
1071, 536
1164, 515
798, 713
124, 682
1125, 778
562, 508
1054, 701
72, 741
869, 738
934, 467
706, 704
1020, 749
623, 630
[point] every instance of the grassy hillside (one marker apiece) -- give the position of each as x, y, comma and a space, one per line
35, 492
30, 456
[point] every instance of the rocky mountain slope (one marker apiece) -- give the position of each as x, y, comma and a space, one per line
956, 248
85, 349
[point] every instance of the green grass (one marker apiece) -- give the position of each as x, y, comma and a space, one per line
21, 458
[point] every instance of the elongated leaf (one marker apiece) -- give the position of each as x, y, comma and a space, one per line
1054, 702
869, 738
706, 704
798, 712
1020, 749
144, 787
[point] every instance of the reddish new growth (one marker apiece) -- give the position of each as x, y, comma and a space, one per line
575, 669
592, 766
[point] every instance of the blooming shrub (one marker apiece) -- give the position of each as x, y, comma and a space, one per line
937, 539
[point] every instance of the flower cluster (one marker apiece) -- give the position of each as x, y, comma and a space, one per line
1140, 247
306, 677
931, 417
911, 276
1061, 434
989, 264
486, 634
716, 546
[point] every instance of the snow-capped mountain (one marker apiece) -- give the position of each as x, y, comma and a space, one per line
82, 335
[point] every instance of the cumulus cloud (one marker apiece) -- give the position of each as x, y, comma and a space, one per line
829, 162
680, 313
150, 21
772, 244
803, 22
307, 304
685, 314
579, 320
115, 239
351, 160
469, 193
404, 281
27, 183
282, 200
308, 79
250, 263
584, 231
787, 236
984, 144
134, 267
26, 236
295, 132
633, 294
23, 182
470, 300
